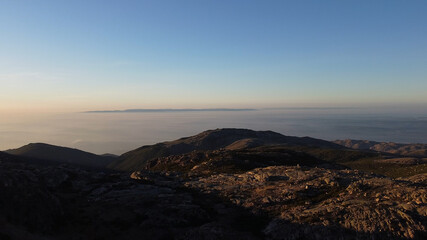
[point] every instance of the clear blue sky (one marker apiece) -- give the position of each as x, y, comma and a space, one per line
91, 55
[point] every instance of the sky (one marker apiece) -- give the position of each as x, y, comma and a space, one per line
104, 55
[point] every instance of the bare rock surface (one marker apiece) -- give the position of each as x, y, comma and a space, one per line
273, 202
311, 203
65, 202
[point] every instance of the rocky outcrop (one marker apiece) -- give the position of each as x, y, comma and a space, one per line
317, 203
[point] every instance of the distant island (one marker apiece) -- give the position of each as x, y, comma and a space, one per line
175, 110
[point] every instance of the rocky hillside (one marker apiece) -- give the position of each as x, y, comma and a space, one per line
67, 202
62, 155
243, 150
231, 139
242, 188
273, 202
319, 203
390, 159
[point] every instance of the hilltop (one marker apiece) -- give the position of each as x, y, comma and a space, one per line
228, 139
61, 154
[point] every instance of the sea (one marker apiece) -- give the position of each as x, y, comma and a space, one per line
119, 132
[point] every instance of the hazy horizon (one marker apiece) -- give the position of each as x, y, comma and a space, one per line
353, 64
121, 132
105, 55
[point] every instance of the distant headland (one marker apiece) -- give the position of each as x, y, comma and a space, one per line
175, 110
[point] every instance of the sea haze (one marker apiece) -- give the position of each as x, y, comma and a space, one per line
120, 131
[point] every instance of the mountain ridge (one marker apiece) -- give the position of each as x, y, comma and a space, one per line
251, 185
227, 138
403, 149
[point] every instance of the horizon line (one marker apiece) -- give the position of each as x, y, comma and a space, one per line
174, 110
141, 110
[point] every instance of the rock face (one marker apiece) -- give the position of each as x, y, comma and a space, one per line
228, 138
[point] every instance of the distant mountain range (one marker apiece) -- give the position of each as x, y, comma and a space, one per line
61, 154
238, 150
412, 150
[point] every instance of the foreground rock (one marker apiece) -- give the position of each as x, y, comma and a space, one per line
316, 203
64, 202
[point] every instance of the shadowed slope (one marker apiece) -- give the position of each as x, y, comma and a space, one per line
229, 138
61, 154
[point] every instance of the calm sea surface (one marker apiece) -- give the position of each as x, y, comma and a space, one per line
120, 132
